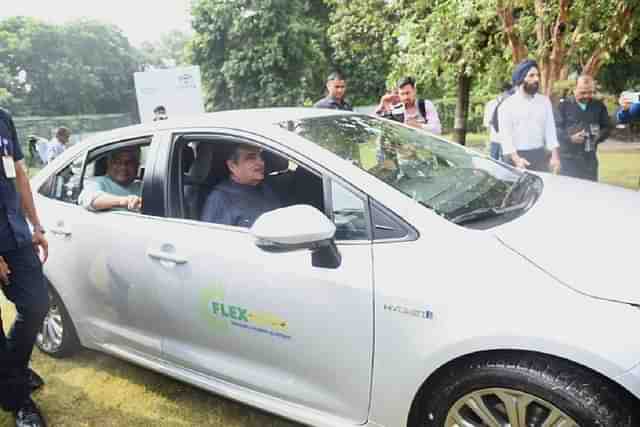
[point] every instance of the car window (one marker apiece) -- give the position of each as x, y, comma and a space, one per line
201, 167
454, 182
120, 181
207, 192
349, 214
65, 185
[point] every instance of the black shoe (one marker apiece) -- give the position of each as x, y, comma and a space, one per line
34, 380
28, 415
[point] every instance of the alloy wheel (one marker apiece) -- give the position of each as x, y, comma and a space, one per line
500, 407
52, 332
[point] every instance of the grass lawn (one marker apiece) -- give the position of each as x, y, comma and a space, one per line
93, 389
620, 168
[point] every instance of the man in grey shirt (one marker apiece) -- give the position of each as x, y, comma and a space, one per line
242, 198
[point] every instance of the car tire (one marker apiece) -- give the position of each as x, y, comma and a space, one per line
57, 337
478, 392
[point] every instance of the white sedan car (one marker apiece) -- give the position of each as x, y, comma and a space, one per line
405, 281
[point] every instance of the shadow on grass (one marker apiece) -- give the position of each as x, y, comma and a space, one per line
95, 389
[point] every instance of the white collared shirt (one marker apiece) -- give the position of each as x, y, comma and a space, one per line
489, 108
54, 149
526, 123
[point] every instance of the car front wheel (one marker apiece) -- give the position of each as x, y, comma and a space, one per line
513, 390
57, 337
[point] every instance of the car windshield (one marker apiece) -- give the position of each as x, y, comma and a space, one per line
455, 182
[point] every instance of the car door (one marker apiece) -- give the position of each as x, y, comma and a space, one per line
119, 287
56, 201
271, 322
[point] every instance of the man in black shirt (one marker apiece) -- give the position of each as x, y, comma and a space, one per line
21, 279
582, 123
336, 88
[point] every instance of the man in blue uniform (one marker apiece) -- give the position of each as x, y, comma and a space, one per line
336, 89
21, 279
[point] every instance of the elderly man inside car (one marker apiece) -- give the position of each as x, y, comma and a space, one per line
119, 188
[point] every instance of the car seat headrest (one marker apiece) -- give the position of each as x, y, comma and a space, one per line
274, 162
202, 163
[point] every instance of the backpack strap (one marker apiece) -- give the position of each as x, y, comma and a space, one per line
494, 117
423, 109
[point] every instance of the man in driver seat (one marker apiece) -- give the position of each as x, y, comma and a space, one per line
244, 196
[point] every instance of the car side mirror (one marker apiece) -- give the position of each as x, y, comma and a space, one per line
295, 228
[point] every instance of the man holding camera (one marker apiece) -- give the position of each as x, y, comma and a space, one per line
582, 123
402, 105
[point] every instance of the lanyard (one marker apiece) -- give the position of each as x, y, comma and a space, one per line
5, 144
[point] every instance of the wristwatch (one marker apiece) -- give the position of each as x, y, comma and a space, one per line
39, 228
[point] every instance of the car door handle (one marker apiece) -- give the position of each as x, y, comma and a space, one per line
60, 231
164, 256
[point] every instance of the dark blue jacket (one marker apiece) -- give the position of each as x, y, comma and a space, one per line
632, 114
14, 231
236, 204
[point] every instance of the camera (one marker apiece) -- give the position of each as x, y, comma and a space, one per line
396, 113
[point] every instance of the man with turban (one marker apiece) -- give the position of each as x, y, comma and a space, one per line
527, 126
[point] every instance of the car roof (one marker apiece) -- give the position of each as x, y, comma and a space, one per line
257, 119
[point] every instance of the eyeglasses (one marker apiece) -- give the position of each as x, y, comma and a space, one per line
118, 162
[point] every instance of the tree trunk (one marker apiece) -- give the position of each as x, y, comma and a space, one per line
518, 48
462, 109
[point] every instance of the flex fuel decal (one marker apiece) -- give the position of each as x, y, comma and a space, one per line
224, 314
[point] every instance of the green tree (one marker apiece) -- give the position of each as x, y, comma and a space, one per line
566, 35
259, 53
623, 72
450, 63
169, 51
81, 67
364, 38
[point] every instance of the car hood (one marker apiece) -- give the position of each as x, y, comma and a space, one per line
585, 234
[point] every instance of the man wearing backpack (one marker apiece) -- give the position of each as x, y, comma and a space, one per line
417, 113
526, 123
495, 149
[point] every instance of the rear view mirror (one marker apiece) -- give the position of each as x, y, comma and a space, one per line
298, 227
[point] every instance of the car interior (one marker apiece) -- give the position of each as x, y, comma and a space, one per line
66, 185
204, 166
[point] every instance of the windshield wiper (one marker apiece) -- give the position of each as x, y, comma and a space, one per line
522, 178
483, 213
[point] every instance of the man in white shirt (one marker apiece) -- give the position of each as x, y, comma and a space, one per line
495, 149
58, 144
526, 123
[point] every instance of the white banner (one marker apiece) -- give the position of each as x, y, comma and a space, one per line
178, 90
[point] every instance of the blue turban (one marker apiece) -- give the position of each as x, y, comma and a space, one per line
521, 70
